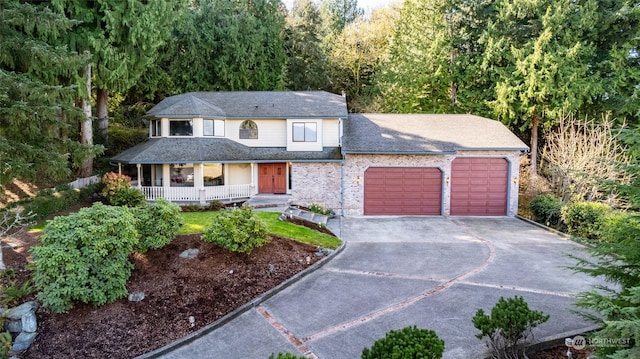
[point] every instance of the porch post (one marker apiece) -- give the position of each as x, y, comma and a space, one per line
120, 168
201, 189
139, 167
252, 186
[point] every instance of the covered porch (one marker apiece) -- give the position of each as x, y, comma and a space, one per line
195, 183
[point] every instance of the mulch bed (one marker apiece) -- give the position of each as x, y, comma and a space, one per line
205, 288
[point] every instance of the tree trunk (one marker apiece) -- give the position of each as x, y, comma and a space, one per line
533, 168
86, 129
102, 108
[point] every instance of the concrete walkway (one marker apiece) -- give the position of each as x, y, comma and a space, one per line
433, 272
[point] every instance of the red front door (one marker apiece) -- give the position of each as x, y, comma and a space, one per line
271, 178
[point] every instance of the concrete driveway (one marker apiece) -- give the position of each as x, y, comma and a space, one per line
433, 272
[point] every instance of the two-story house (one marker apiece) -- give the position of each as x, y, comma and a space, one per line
208, 146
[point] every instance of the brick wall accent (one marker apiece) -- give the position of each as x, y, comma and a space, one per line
316, 182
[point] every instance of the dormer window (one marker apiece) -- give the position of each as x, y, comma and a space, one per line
248, 130
180, 128
305, 132
156, 128
214, 128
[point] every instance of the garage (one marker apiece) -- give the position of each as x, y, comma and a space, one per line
479, 186
402, 191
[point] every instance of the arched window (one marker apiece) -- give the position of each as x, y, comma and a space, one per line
248, 130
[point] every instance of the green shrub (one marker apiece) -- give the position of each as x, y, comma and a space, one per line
408, 342
87, 192
508, 329
237, 230
128, 197
84, 257
14, 293
157, 224
547, 210
619, 226
49, 202
5, 340
583, 219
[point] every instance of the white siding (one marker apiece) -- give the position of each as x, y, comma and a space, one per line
271, 133
331, 132
239, 173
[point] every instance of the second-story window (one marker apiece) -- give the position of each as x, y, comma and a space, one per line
156, 128
180, 128
305, 132
213, 128
248, 130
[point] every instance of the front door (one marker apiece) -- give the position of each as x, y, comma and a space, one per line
272, 178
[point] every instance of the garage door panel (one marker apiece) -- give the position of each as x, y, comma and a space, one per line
479, 186
402, 191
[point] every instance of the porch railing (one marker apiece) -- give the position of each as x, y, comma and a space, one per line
193, 194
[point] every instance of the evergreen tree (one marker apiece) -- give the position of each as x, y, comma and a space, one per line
222, 45
38, 85
122, 38
417, 77
340, 13
307, 65
541, 64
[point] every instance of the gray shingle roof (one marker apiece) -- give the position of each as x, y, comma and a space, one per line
252, 104
425, 133
206, 150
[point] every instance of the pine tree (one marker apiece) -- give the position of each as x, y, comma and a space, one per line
307, 65
122, 38
225, 45
38, 120
540, 62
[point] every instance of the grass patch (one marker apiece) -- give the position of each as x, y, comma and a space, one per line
196, 222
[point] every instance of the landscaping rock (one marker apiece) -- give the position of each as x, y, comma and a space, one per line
190, 253
13, 326
22, 342
136, 296
17, 312
29, 323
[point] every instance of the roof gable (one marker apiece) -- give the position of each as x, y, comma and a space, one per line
425, 133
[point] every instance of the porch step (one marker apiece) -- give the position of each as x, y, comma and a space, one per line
269, 201
305, 215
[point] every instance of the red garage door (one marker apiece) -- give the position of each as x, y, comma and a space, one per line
402, 191
479, 186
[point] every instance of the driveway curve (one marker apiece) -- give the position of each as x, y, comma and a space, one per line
433, 272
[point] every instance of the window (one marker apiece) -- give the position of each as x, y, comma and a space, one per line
248, 130
182, 175
304, 132
180, 128
156, 128
214, 128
